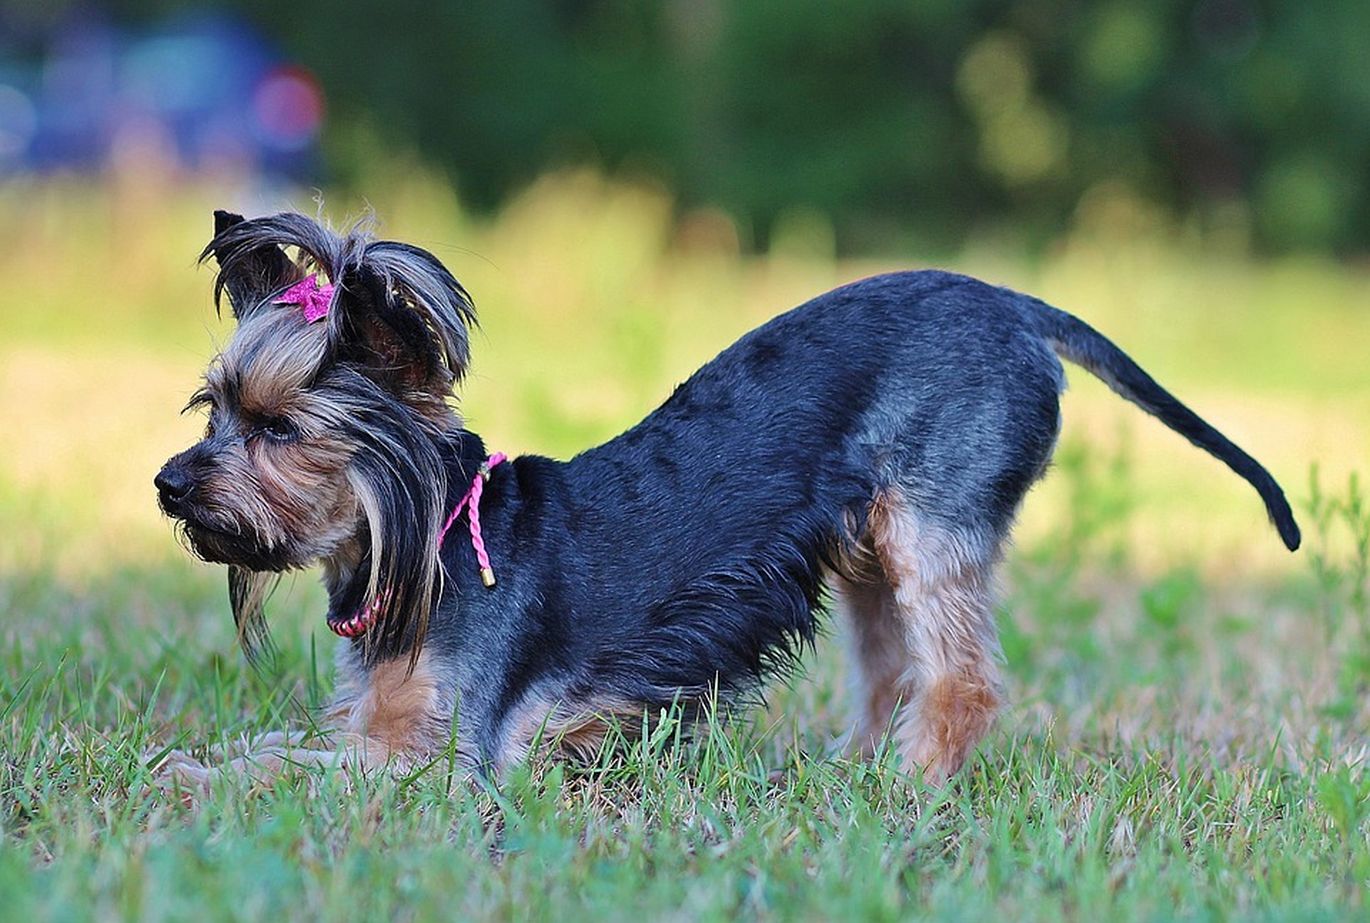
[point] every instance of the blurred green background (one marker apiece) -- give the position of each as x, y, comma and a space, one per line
627, 186
902, 124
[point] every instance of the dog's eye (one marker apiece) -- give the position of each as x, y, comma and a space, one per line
278, 429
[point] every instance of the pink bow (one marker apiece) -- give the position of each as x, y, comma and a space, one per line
314, 299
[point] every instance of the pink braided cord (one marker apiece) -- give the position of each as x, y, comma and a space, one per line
470, 502
365, 617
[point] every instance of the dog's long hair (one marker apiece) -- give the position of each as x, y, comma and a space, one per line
395, 342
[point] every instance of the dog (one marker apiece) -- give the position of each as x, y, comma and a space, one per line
871, 446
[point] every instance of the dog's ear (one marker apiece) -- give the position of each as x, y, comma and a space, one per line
396, 311
404, 318
251, 268
223, 220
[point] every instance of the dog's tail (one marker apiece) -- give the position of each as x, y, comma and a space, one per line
1075, 340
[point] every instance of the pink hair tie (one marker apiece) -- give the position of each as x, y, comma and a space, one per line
312, 298
470, 502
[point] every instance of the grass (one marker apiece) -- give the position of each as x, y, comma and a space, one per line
1189, 725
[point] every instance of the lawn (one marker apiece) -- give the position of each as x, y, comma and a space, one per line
1189, 724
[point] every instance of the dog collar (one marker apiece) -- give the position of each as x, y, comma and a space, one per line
470, 502
362, 620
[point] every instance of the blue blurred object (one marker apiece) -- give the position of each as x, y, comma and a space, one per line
194, 94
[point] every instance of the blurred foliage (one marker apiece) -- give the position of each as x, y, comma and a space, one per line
597, 297
901, 123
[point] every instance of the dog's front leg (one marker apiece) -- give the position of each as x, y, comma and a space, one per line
277, 754
385, 716
245, 744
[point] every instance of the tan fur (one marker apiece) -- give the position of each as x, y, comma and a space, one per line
880, 658
584, 738
575, 731
394, 710
953, 714
932, 615
278, 491
382, 718
271, 358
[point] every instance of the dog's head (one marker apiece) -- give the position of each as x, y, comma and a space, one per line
327, 413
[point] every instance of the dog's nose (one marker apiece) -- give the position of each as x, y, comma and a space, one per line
173, 486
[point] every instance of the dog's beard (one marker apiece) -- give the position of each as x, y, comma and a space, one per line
247, 593
221, 547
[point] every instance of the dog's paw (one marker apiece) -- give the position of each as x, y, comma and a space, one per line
246, 744
177, 772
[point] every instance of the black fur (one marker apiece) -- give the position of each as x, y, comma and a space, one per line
1082, 344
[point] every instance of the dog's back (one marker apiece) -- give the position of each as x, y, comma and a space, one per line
876, 440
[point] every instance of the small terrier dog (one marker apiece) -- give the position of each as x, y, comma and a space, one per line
873, 444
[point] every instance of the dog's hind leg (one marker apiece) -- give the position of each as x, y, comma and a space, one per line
879, 655
939, 590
